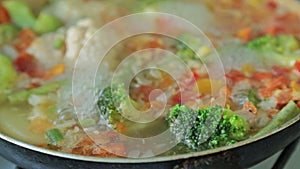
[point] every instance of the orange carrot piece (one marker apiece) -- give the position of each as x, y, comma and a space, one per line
249, 106
55, 71
244, 34
121, 127
259, 76
266, 92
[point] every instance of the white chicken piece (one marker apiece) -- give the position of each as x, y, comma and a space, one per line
70, 11
76, 37
43, 49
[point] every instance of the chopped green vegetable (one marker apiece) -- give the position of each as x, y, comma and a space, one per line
8, 74
253, 97
186, 53
59, 43
54, 136
290, 111
280, 44
20, 13
7, 33
46, 23
22, 96
276, 49
206, 128
186, 45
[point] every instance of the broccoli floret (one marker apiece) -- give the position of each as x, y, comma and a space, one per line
281, 44
114, 104
206, 128
110, 102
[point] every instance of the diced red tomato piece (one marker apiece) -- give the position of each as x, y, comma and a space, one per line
279, 70
284, 97
142, 93
176, 99
272, 5
259, 76
297, 66
279, 25
266, 92
235, 76
278, 83
273, 30
195, 74
24, 39
4, 15
26, 63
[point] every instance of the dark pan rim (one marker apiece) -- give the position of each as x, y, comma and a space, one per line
144, 160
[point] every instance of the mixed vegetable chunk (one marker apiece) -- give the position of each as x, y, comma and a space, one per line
38, 52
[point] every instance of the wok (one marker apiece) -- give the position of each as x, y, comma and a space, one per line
243, 154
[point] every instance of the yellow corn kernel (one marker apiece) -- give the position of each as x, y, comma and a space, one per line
204, 51
205, 85
248, 69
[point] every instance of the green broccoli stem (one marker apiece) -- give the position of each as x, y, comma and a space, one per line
22, 96
290, 111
